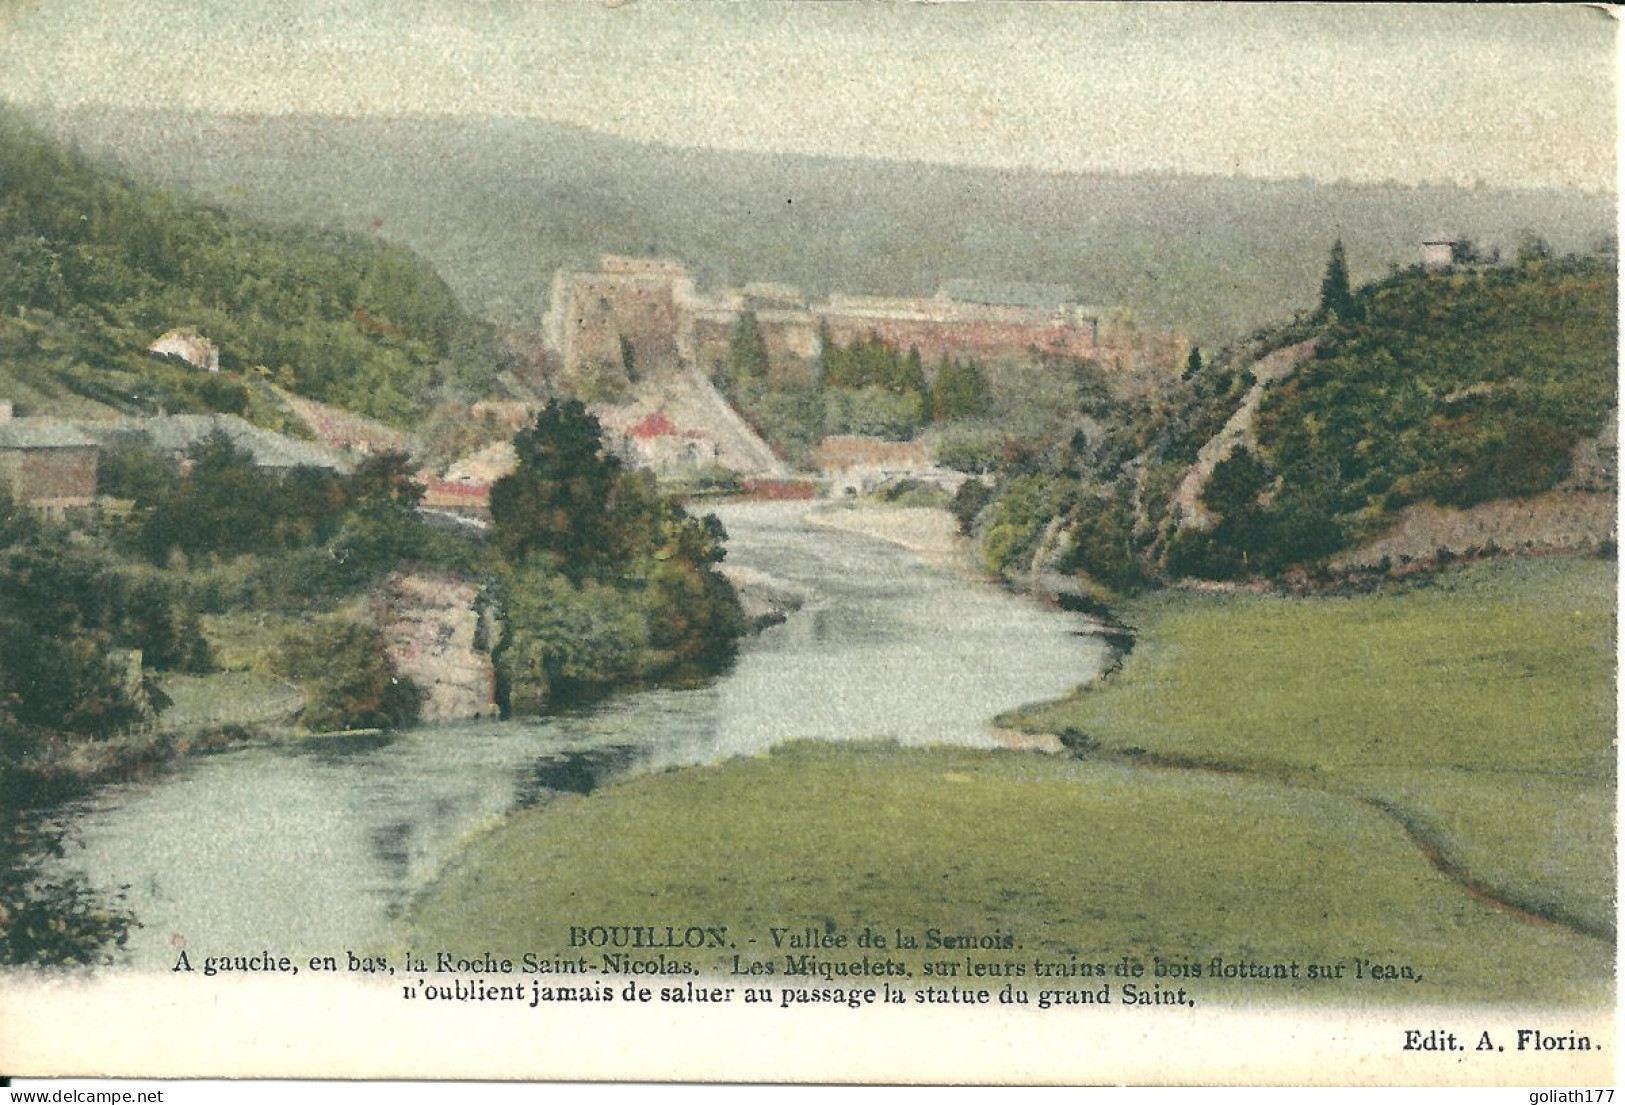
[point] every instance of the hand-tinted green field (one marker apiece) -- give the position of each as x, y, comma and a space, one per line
1082, 862
1357, 741
1478, 708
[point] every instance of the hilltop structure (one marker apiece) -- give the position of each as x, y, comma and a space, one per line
645, 316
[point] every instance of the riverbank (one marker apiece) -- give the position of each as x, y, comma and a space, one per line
205, 713
1078, 862
930, 532
933, 534
1421, 776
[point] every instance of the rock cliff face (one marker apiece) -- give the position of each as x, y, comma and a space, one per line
1187, 498
431, 626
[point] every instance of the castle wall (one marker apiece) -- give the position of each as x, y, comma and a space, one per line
653, 304
981, 338
791, 337
638, 301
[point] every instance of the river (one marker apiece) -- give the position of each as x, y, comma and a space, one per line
318, 846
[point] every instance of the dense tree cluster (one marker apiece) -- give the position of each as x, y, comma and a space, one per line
215, 504
348, 677
94, 267
604, 580
867, 386
1452, 387
68, 616
76, 608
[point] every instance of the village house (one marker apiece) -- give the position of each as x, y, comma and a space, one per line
1438, 253
660, 445
465, 487
176, 434
46, 463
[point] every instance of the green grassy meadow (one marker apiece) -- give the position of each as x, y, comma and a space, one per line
1479, 706
1477, 709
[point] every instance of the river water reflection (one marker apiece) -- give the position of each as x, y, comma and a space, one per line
317, 846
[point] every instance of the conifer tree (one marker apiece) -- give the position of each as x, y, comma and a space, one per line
557, 502
747, 349
960, 390
1335, 297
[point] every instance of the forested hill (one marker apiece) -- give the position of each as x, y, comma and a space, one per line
499, 204
1453, 388
95, 266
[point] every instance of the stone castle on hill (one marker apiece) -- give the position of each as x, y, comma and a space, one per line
649, 313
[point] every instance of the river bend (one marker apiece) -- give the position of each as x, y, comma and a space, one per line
318, 846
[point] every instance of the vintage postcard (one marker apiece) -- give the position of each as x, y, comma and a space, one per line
885, 542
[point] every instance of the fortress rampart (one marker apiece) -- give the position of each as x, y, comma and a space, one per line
652, 309
628, 306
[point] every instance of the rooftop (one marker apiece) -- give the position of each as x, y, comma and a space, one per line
657, 424
43, 433
179, 432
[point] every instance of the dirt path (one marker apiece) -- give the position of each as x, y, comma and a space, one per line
1187, 499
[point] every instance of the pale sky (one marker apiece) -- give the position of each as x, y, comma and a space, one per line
1507, 95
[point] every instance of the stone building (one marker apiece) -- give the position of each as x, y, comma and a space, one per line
1438, 253
624, 317
47, 463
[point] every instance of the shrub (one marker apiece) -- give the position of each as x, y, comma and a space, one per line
348, 677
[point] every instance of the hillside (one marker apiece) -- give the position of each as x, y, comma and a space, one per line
95, 267
499, 204
1439, 395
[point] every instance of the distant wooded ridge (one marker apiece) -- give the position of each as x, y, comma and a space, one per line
498, 205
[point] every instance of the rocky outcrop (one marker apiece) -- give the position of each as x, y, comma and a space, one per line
765, 599
431, 626
189, 346
1187, 499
